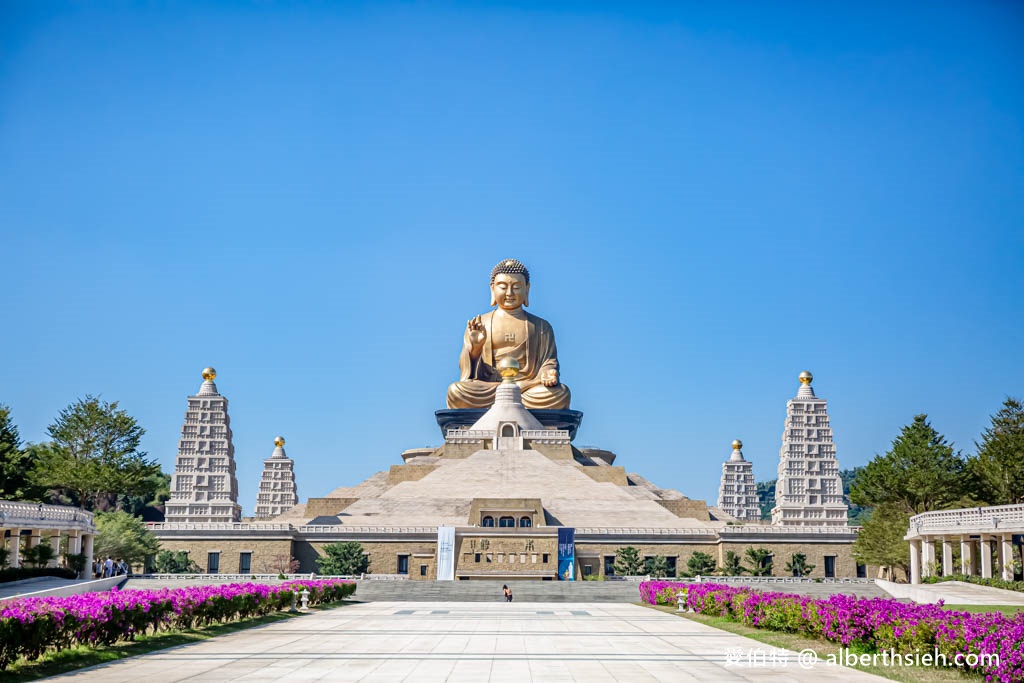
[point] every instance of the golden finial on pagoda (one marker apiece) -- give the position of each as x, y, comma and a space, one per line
278, 441
737, 444
806, 377
508, 368
209, 374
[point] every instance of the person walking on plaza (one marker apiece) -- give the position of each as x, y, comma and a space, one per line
108, 567
508, 592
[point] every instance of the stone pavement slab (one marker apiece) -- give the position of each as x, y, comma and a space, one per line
422, 642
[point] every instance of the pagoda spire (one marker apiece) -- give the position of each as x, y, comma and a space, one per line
204, 487
809, 491
278, 492
737, 493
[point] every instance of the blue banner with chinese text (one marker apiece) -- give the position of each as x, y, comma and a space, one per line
566, 554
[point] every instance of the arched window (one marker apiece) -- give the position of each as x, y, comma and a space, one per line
525, 521
508, 430
507, 522
487, 521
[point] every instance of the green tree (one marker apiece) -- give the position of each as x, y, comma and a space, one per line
766, 497
155, 492
41, 554
920, 472
1000, 461
94, 454
700, 564
760, 561
798, 566
16, 463
174, 562
881, 542
125, 537
857, 513
628, 561
731, 566
656, 566
343, 559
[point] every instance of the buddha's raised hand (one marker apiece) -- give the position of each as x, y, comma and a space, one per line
476, 334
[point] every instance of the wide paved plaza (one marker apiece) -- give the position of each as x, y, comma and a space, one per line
462, 641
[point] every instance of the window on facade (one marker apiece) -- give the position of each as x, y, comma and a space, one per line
588, 569
508, 430
507, 522
830, 566
487, 521
609, 565
423, 570
476, 557
525, 522
212, 563
403, 564
862, 571
671, 563
545, 558
244, 563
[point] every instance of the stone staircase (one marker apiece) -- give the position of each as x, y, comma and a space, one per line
376, 590
490, 591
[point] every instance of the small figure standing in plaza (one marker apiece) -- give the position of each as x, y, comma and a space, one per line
508, 592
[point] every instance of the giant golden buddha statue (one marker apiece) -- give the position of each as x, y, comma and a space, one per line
509, 332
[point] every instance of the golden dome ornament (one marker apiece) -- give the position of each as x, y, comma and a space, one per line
737, 444
806, 377
278, 441
209, 374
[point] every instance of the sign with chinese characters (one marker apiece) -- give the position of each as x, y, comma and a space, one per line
566, 554
445, 553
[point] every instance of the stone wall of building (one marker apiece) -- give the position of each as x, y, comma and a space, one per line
687, 508
399, 473
611, 474
266, 555
383, 556
326, 507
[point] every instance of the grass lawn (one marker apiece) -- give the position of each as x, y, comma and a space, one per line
793, 641
1008, 610
63, 661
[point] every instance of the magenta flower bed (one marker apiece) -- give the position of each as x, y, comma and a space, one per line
873, 625
31, 626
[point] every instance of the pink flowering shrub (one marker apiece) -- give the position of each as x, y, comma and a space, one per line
31, 626
875, 624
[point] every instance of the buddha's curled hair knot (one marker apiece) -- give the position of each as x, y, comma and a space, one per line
510, 266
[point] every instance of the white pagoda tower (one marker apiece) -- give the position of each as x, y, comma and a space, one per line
737, 494
204, 488
277, 486
809, 491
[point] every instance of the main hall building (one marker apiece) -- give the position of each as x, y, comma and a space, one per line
507, 495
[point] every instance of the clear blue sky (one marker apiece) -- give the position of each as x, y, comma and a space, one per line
710, 197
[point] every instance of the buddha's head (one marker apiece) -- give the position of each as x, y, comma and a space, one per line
510, 285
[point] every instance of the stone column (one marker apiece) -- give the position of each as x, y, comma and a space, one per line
947, 557
915, 561
928, 557
87, 542
1006, 556
75, 547
55, 544
966, 556
986, 558
14, 554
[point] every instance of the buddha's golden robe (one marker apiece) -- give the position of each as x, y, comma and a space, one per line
479, 378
